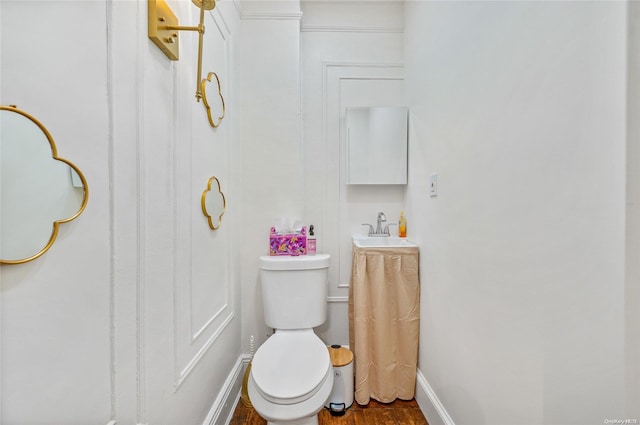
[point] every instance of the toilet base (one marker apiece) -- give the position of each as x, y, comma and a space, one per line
304, 421
305, 413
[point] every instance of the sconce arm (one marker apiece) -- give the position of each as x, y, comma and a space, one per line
199, 28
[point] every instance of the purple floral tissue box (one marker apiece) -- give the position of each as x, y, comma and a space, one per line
288, 243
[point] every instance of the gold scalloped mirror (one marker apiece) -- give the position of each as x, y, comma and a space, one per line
213, 203
217, 105
38, 190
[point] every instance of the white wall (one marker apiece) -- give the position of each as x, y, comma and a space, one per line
55, 322
520, 108
134, 313
290, 137
632, 284
270, 165
351, 56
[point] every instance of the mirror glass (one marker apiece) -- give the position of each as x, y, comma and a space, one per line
376, 145
38, 190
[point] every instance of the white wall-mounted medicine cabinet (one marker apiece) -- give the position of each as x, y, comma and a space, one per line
376, 145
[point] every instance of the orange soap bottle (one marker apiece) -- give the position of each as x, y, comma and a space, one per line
402, 226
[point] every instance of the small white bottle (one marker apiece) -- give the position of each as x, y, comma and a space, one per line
311, 241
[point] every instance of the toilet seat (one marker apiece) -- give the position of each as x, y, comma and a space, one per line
281, 366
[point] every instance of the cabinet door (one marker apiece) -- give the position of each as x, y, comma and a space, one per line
377, 145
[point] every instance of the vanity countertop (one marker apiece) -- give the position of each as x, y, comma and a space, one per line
363, 241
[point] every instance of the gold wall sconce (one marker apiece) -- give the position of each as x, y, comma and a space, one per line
164, 32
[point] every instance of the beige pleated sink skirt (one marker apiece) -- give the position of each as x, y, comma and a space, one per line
384, 322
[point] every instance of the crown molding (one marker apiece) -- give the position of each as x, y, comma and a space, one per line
350, 28
268, 16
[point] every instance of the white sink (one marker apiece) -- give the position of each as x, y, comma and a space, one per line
381, 242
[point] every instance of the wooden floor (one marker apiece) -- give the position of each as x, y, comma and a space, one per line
397, 413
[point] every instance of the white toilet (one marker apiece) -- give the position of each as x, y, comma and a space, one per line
291, 373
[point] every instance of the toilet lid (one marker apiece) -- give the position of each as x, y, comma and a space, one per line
290, 366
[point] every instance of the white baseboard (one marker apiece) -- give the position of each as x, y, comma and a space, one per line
223, 407
431, 407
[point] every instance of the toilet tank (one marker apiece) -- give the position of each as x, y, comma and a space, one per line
294, 290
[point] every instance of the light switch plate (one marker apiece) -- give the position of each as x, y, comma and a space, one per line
433, 185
